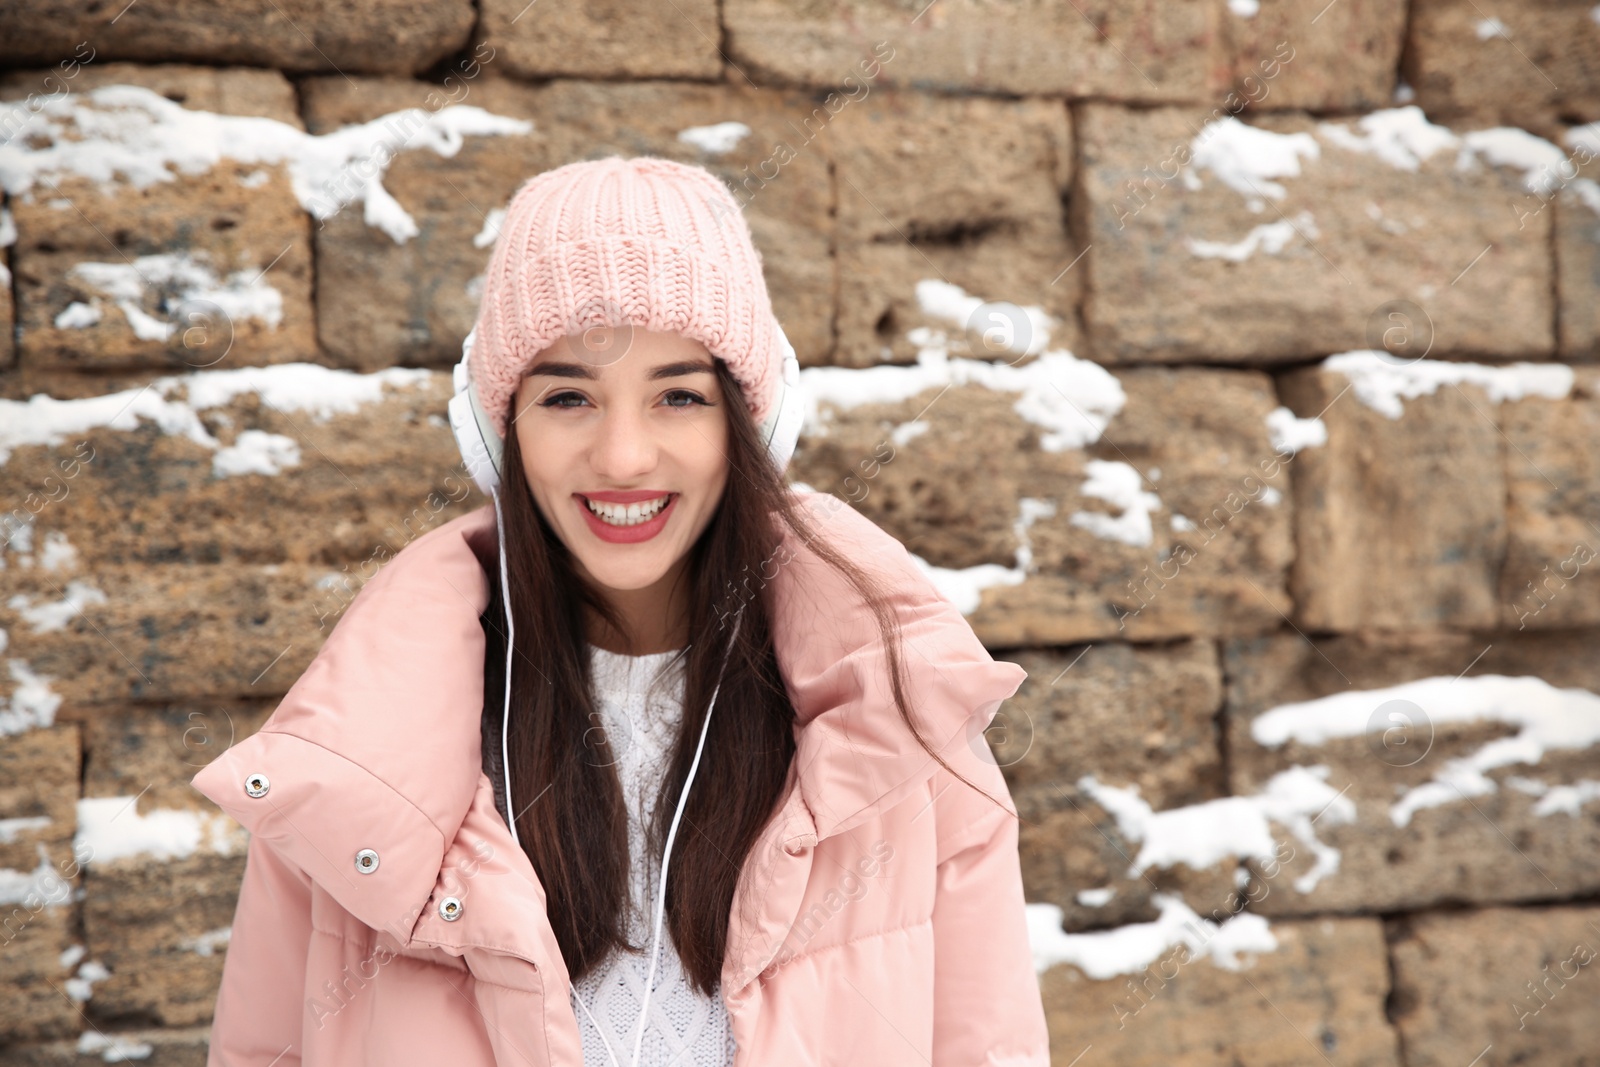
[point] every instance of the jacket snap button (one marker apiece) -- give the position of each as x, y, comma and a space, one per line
366, 861
450, 909
795, 848
257, 785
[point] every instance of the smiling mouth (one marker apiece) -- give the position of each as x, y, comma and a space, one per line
627, 514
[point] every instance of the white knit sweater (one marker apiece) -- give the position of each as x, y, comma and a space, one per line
684, 1028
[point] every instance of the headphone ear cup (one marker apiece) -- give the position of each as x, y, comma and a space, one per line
480, 448
788, 415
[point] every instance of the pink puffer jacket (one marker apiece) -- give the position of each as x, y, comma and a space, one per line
879, 920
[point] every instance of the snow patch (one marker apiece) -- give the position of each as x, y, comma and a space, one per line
1402, 137
1381, 380
716, 139
1487, 28
206, 944
1044, 386
1131, 948
42, 885
311, 388
78, 315
1547, 719
112, 1048
131, 135
942, 300
81, 986
1271, 238
256, 452
54, 615
1204, 834
1290, 433
491, 228
11, 829
111, 828
1246, 158
58, 553
30, 704
172, 279
1120, 485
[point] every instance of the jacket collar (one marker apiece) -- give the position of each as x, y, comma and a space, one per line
395, 695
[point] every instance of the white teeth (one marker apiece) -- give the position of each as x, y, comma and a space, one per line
627, 514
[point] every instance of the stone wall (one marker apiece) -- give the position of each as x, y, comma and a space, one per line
1233, 364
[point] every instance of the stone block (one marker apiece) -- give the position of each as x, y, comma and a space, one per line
1318, 995
136, 632
334, 468
608, 39
1552, 462
1576, 213
1463, 765
377, 36
1068, 504
1535, 65
1401, 517
180, 258
1333, 57
39, 771
1143, 51
1519, 980
165, 961
1131, 715
1213, 239
965, 191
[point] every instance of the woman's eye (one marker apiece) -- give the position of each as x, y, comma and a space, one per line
559, 399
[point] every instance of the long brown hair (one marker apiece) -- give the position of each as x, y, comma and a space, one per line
567, 800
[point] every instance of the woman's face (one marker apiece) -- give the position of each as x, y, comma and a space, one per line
634, 422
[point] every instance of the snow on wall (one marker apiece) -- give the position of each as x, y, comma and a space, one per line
113, 1048
1204, 834
1248, 159
1130, 948
1546, 718
318, 391
1381, 380
111, 828
179, 277
716, 139
1270, 237
41, 887
1290, 433
1251, 160
55, 614
134, 136
31, 704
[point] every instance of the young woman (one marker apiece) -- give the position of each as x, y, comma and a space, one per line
656, 759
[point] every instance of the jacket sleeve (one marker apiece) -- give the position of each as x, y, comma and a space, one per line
260, 1007
987, 1006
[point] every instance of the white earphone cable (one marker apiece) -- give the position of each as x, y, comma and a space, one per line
672, 832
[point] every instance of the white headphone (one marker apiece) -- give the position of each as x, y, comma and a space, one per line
483, 451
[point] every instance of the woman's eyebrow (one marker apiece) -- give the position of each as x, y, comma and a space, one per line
582, 370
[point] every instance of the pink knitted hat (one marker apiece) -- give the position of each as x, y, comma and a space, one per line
645, 241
